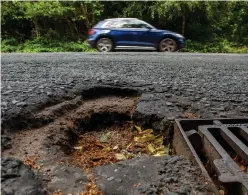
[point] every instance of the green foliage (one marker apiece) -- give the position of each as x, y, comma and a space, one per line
209, 26
44, 45
217, 46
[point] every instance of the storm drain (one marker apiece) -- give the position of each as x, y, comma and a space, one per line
219, 147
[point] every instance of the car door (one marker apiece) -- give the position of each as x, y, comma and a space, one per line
121, 33
146, 34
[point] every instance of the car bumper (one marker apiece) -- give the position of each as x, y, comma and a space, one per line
180, 43
91, 43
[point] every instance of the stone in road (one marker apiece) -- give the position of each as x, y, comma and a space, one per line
212, 83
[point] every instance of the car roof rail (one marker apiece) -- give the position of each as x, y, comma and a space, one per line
120, 18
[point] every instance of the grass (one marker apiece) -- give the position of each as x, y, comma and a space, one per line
46, 45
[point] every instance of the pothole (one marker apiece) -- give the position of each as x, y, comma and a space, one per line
82, 134
70, 143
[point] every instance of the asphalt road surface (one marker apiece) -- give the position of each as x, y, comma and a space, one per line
212, 81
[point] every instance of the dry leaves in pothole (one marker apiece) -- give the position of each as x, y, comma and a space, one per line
153, 144
117, 143
95, 149
31, 161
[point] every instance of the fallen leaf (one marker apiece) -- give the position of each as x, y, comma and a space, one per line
148, 131
151, 148
144, 138
140, 145
158, 141
115, 147
78, 147
120, 156
108, 149
161, 148
138, 128
104, 138
160, 153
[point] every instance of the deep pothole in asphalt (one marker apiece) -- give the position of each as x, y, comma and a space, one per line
85, 134
95, 131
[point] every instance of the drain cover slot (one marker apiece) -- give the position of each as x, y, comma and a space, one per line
224, 145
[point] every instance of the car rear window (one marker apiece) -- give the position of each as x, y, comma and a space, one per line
99, 24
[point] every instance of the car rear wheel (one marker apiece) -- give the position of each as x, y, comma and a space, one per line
167, 45
104, 45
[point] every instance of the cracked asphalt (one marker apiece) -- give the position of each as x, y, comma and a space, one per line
216, 83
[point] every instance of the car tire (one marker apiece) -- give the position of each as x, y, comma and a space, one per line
167, 45
104, 45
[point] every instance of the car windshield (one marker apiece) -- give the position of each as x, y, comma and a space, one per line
126, 24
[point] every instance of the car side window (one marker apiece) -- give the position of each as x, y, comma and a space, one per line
136, 24
125, 24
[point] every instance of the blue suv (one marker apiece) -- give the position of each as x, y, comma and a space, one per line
132, 32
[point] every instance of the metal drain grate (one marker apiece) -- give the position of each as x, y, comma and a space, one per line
220, 144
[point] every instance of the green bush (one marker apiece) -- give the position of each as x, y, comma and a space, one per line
45, 45
216, 46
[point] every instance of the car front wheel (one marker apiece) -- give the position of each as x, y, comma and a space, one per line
167, 45
104, 45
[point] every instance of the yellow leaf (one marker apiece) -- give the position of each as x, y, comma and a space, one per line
120, 157
144, 138
160, 153
161, 148
78, 148
151, 148
148, 131
138, 128
158, 141
108, 149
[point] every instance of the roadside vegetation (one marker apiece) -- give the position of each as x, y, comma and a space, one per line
56, 26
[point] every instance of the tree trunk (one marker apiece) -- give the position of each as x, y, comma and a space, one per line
85, 11
183, 24
36, 28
